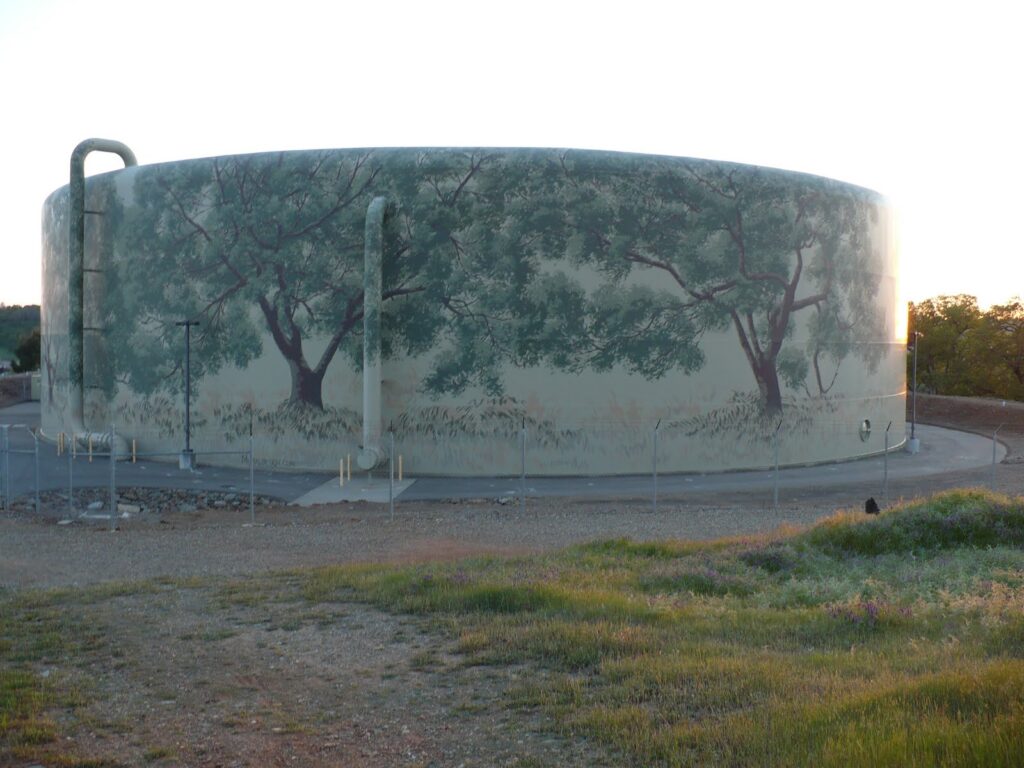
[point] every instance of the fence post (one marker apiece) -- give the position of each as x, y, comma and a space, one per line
252, 497
391, 472
113, 480
655, 468
71, 478
775, 481
885, 468
35, 441
994, 442
5, 470
522, 475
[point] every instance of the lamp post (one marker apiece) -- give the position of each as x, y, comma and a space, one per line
914, 445
186, 460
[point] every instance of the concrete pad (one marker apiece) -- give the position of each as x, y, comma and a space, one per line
357, 489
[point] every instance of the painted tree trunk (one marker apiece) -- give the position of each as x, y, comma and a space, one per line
768, 384
307, 385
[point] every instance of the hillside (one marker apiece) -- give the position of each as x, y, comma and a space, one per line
15, 322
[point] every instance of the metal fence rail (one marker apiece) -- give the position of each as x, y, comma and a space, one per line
525, 443
72, 452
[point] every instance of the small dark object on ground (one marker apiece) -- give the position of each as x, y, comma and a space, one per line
871, 506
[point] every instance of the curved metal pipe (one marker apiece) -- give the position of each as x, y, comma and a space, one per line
371, 453
76, 280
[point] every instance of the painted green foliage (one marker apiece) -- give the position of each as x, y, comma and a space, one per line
739, 248
482, 258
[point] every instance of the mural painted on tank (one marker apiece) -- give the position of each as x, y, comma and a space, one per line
493, 261
283, 235
54, 341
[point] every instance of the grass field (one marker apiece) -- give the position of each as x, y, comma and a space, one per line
896, 640
863, 641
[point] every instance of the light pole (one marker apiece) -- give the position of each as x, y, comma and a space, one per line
187, 457
914, 445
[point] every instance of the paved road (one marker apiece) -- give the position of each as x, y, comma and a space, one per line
942, 451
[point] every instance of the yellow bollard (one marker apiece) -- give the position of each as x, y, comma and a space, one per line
60, 435
399, 467
348, 462
133, 450
90, 449
341, 473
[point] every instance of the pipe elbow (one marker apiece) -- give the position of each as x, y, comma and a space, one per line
118, 148
370, 457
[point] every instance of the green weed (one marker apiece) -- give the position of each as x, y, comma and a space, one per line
960, 518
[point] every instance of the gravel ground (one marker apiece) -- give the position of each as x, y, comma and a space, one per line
219, 540
172, 533
42, 553
225, 673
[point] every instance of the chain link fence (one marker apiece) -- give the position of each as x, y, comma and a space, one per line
74, 469
413, 470
884, 457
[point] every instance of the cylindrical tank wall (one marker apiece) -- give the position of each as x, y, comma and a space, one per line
583, 296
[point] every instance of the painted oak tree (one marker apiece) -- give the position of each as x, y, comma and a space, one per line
277, 241
234, 239
737, 248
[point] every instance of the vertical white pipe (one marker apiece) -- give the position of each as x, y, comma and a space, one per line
76, 274
371, 455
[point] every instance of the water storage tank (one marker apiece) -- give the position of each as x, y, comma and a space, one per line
456, 297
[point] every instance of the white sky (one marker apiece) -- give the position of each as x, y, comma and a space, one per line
920, 101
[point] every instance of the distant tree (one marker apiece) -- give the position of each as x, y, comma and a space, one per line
994, 353
946, 355
27, 352
15, 322
1005, 324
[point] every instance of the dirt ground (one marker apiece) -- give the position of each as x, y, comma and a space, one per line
210, 661
240, 675
982, 416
